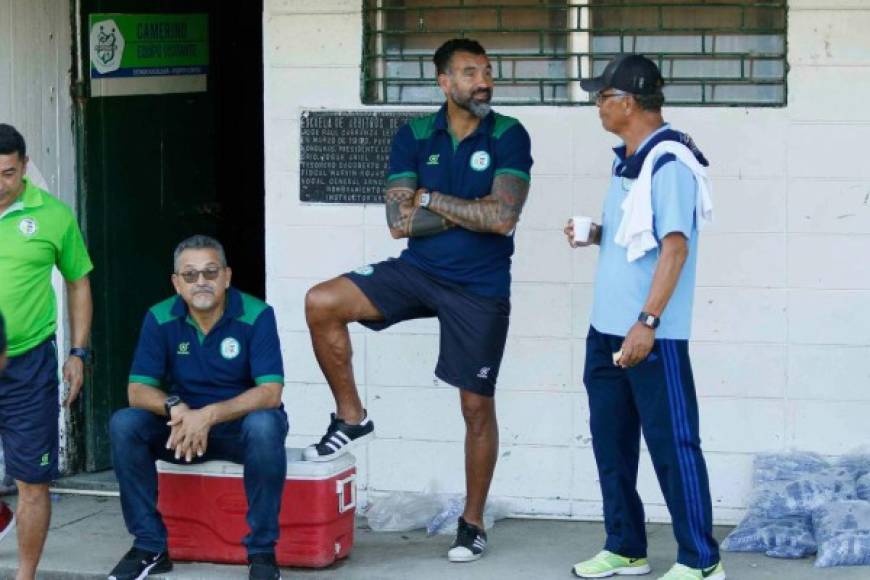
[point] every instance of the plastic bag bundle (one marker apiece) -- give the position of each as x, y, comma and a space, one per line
857, 463
843, 532
438, 513
402, 511
863, 487
786, 466
789, 537
800, 496
787, 487
446, 520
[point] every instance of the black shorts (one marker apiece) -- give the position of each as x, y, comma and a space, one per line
473, 327
29, 411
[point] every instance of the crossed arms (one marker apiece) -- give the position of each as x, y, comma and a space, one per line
496, 213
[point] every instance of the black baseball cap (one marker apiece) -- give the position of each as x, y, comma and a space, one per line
631, 73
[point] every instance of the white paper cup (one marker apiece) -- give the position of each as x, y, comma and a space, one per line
582, 225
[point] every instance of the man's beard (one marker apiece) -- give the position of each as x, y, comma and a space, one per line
479, 109
203, 300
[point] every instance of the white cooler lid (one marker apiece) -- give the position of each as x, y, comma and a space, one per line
296, 467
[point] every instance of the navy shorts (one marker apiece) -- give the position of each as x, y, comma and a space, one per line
29, 412
473, 327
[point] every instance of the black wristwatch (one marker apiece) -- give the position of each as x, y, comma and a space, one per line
649, 320
82, 353
171, 401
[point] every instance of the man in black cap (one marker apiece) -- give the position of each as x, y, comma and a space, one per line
638, 375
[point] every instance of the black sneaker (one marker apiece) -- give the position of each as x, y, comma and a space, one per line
339, 438
469, 544
136, 564
263, 567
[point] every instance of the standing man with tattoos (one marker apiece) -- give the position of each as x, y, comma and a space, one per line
456, 184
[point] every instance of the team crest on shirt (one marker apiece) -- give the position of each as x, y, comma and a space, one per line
479, 160
28, 226
230, 348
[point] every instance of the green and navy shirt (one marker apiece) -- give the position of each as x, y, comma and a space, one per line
241, 351
425, 149
37, 233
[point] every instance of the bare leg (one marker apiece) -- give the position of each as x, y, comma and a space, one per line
481, 452
33, 515
329, 307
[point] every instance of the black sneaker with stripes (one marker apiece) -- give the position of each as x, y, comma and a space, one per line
339, 439
137, 564
469, 544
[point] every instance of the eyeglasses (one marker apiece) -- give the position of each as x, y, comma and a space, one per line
192, 276
601, 97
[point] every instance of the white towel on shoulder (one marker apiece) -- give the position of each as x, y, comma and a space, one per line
635, 232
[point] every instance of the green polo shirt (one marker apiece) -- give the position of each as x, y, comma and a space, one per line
37, 232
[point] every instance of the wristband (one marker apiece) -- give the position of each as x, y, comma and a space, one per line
82, 353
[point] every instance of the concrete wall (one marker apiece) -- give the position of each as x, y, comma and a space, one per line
35, 65
781, 318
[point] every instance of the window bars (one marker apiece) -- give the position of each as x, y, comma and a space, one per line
710, 52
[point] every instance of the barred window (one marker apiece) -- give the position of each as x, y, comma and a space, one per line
710, 52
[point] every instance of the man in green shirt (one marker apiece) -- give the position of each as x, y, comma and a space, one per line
37, 233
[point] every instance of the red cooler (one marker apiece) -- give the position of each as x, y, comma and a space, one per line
204, 508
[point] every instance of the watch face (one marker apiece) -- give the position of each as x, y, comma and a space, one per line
648, 320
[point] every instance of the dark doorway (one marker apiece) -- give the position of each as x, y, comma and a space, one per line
156, 168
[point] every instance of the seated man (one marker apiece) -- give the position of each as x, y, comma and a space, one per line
217, 352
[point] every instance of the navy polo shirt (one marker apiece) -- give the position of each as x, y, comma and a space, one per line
241, 351
425, 149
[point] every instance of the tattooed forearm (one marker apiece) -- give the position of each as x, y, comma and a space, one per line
425, 223
398, 202
496, 213
404, 218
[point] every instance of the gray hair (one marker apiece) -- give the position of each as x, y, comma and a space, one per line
651, 102
198, 242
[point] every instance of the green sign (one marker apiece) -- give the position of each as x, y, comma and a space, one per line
141, 45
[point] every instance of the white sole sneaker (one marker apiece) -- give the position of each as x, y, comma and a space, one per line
462, 554
310, 453
633, 571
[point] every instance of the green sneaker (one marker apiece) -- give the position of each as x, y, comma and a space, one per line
606, 564
681, 572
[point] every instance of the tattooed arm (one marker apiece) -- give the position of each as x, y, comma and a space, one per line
496, 213
404, 218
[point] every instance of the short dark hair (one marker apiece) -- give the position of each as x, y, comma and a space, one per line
445, 52
651, 102
198, 242
11, 141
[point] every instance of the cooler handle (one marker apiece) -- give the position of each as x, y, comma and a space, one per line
340, 487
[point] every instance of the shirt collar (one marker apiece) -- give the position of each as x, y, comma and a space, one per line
30, 197
485, 125
620, 151
234, 308
18, 205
